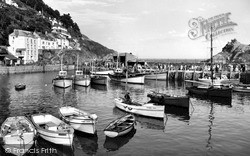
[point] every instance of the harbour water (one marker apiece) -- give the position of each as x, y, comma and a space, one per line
211, 127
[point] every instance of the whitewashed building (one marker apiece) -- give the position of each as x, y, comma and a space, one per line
59, 29
24, 45
46, 41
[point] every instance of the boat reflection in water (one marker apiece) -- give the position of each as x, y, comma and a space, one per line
86, 143
99, 87
180, 113
215, 100
44, 147
61, 91
113, 144
142, 121
81, 88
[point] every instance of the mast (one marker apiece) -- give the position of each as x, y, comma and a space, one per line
77, 63
61, 63
212, 73
117, 60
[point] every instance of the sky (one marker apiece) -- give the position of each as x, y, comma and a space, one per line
155, 28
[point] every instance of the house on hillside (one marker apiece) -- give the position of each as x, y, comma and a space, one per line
24, 45
59, 29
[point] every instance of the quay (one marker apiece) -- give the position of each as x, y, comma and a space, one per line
182, 75
172, 75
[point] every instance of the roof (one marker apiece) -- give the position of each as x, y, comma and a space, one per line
25, 33
11, 57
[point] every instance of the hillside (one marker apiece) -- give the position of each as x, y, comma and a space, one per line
236, 52
35, 15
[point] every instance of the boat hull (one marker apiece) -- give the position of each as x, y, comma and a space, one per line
20, 87
20, 138
149, 109
216, 82
62, 83
213, 92
85, 122
137, 79
120, 126
113, 134
101, 80
241, 88
163, 99
82, 82
63, 137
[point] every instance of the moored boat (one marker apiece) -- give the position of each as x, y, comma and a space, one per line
244, 88
18, 135
211, 91
120, 126
20, 86
80, 79
79, 119
165, 99
99, 79
144, 109
216, 81
133, 78
53, 129
62, 80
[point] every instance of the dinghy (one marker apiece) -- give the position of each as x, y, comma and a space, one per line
144, 109
20, 86
18, 135
79, 119
120, 126
53, 129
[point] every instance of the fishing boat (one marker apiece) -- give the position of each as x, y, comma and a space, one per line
20, 86
99, 79
18, 135
211, 90
132, 78
79, 119
144, 109
165, 99
62, 80
79, 78
120, 126
53, 129
244, 88
216, 81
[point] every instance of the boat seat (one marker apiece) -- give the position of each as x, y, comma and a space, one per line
51, 126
